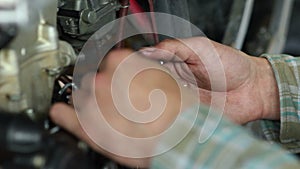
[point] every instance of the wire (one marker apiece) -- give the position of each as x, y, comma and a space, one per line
123, 12
141, 20
153, 21
135, 8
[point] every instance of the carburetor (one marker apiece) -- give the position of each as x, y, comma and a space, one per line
33, 58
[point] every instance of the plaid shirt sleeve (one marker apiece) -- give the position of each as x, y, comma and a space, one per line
229, 147
286, 132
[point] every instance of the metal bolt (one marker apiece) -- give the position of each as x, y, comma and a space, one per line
89, 16
53, 71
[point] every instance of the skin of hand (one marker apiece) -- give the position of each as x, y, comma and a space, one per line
251, 89
251, 92
140, 87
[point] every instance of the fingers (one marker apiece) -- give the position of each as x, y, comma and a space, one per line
157, 54
65, 116
167, 50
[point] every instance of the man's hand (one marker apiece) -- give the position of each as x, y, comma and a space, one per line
251, 88
251, 93
139, 91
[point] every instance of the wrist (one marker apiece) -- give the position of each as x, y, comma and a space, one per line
268, 89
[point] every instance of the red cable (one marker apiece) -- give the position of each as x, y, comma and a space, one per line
123, 12
135, 7
153, 21
143, 22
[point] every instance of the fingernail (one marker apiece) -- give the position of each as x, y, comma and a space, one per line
149, 49
146, 53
